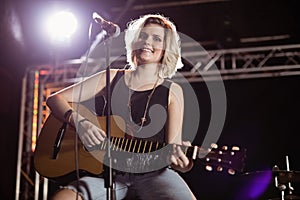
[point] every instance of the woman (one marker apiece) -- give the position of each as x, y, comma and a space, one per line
151, 105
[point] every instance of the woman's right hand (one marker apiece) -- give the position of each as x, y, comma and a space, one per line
89, 134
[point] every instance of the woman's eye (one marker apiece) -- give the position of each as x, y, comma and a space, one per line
143, 36
157, 39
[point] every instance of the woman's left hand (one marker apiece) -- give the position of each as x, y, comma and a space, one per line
179, 161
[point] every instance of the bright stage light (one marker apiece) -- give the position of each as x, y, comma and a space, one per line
62, 26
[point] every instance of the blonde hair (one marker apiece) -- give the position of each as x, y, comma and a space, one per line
171, 60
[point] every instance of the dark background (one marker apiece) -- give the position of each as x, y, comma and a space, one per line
262, 114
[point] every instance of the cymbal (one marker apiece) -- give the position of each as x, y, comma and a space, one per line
283, 176
287, 197
287, 176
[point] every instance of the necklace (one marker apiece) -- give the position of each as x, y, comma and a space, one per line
132, 127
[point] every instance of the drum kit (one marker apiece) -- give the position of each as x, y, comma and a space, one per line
283, 180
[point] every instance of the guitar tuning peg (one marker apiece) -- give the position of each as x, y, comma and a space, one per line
214, 145
219, 168
225, 148
231, 171
235, 148
208, 168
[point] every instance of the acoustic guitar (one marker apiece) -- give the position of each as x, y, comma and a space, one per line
55, 153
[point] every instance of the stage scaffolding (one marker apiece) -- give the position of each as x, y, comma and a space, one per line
200, 65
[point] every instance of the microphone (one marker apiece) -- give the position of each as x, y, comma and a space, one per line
112, 30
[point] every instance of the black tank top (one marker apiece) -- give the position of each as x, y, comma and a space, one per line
154, 128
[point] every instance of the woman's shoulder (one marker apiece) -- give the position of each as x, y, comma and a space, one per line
171, 84
175, 87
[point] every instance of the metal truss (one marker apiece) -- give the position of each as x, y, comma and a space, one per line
25, 180
200, 65
242, 63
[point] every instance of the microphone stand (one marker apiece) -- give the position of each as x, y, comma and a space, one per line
108, 171
104, 37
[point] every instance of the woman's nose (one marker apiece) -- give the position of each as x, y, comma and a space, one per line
147, 40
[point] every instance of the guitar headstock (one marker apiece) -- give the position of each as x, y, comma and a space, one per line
223, 158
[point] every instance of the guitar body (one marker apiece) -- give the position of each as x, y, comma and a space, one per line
64, 163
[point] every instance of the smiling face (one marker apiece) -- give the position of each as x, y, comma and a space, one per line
150, 44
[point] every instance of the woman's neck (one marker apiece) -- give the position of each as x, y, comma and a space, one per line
144, 77
147, 72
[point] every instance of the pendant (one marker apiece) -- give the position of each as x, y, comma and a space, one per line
143, 120
132, 128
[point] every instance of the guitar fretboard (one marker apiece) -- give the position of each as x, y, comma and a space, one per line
123, 144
